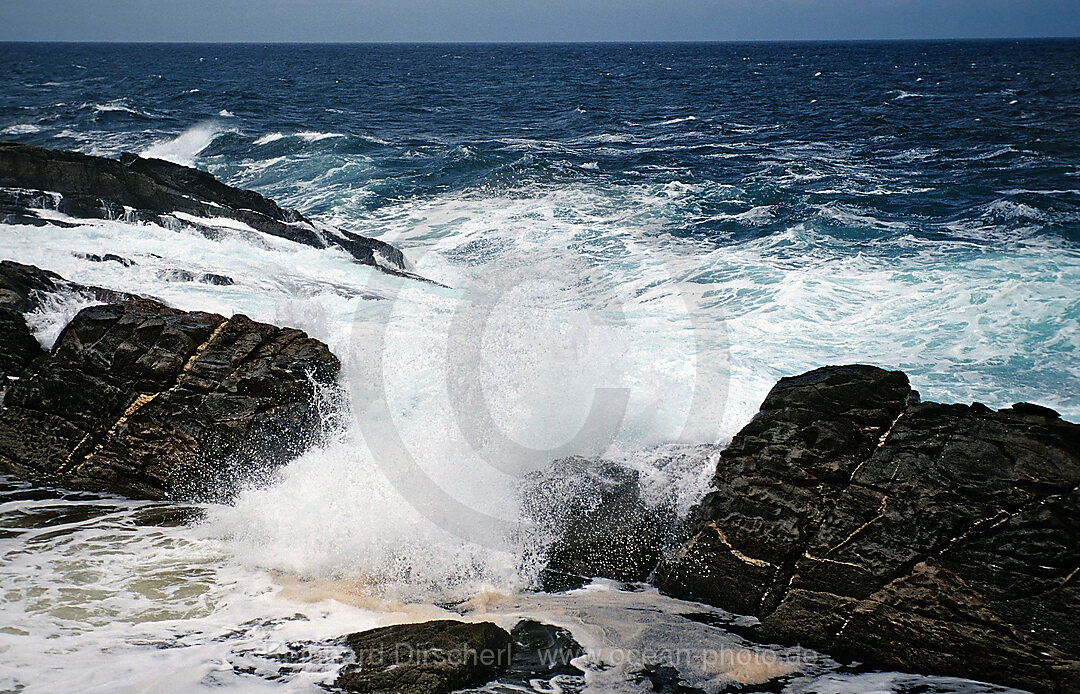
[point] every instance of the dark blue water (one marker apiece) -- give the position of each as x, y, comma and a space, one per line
925, 133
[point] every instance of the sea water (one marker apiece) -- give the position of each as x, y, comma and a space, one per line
632, 243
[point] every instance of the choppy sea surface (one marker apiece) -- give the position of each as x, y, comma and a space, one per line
636, 242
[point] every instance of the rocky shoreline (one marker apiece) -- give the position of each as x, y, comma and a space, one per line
149, 401
35, 181
848, 516
852, 518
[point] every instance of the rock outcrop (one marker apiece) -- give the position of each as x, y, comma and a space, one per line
150, 401
24, 287
852, 518
445, 655
429, 658
603, 528
18, 347
153, 190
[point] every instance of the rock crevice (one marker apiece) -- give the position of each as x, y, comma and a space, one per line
853, 518
150, 401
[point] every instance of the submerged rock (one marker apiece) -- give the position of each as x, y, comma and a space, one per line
541, 651
429, 658
150, 401
106, 258
941, 539
153, 190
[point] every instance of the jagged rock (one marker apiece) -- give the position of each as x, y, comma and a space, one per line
428, 658
154, 190
942, 539
151, 401
23, 287
602, 526
215, 279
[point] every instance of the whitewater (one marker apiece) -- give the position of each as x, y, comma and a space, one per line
628, 288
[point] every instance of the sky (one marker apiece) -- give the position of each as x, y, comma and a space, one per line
530, 20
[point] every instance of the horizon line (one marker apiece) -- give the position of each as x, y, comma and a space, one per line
544, 42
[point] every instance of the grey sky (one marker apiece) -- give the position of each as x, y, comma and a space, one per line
530, 20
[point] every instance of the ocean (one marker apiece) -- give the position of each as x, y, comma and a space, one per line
632, 243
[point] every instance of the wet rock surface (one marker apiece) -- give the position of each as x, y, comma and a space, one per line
428, 658
150, 401
18, 346
23, 288
854, 519
604, 529
153, 190
541, 651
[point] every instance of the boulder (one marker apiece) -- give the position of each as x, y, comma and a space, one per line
150, 401
852, 518
601, 525
153, 190
429, 658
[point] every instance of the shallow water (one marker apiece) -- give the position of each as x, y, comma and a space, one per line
636, 242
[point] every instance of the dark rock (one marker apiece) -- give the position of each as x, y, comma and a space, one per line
664, 679
219, 280
154, 190
429, 658
602, 526
18, 347
106, 258
542, 651
23, 287
150, 401
942, 539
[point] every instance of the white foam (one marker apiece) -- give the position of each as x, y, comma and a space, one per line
183, 148
268, 138
147, 607
313, 136
53, 313
673, 121
901, 95
21, 129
